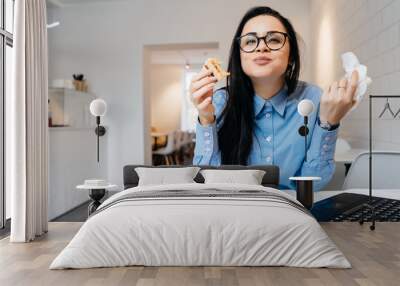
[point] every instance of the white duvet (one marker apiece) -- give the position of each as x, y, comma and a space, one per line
200, 231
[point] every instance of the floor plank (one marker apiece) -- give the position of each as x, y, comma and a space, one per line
375, 257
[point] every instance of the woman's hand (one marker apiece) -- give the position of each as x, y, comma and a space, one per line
201, 91
338, 99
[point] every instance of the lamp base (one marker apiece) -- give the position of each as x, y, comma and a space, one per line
100, 130
305, 193
304, 190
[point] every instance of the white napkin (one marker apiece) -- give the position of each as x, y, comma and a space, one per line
350, 63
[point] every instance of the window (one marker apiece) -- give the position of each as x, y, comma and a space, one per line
6, 44
9, 13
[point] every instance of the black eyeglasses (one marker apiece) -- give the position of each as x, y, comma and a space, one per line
274, 40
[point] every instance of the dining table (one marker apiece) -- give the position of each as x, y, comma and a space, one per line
156, 136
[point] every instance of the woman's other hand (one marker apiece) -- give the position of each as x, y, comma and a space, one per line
201, 91
338, 99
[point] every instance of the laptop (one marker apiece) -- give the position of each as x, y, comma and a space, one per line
349, 207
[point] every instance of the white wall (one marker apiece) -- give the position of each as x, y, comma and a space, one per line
371, 29
166, 87
73, 158
105, 42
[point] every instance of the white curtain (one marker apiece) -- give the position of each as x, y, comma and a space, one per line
28, 148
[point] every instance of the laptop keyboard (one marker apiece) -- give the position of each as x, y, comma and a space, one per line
349, 207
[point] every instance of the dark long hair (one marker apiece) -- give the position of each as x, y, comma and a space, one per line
235, 137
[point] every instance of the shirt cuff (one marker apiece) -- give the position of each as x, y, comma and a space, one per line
323, 143
206, 139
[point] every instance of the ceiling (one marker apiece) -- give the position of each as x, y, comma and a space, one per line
63, 3
180, 54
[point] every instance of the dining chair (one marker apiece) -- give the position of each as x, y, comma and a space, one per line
385, 174
168, 151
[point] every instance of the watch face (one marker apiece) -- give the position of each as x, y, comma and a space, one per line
325, 125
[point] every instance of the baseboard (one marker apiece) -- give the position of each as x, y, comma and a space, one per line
69, 211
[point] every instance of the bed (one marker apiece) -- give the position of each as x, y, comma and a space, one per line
198, 224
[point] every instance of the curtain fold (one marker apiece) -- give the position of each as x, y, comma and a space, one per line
28, 158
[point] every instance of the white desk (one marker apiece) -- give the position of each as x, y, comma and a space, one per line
348, 156
318, 196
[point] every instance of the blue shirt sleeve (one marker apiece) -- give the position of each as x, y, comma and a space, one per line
320, 154
206, 151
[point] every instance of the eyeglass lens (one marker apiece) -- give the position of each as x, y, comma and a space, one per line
273, 40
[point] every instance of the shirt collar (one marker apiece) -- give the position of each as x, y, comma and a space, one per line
278, 102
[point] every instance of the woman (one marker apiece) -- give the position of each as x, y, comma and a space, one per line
254, 120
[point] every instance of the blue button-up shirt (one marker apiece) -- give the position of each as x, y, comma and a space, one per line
276, 140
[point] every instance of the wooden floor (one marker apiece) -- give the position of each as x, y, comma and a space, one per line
375, 256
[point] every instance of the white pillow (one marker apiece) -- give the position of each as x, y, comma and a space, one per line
249, 177
163, 176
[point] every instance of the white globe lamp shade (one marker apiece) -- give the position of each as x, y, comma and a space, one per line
305, 107
98, 107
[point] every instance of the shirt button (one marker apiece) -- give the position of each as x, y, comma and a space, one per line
325, 147
269, 138
327, 138
268, 115
206, 134
269, 159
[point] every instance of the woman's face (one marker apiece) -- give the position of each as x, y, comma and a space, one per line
275, 63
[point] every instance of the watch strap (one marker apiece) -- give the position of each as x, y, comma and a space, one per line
326, 125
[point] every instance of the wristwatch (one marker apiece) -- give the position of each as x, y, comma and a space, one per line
326, 125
